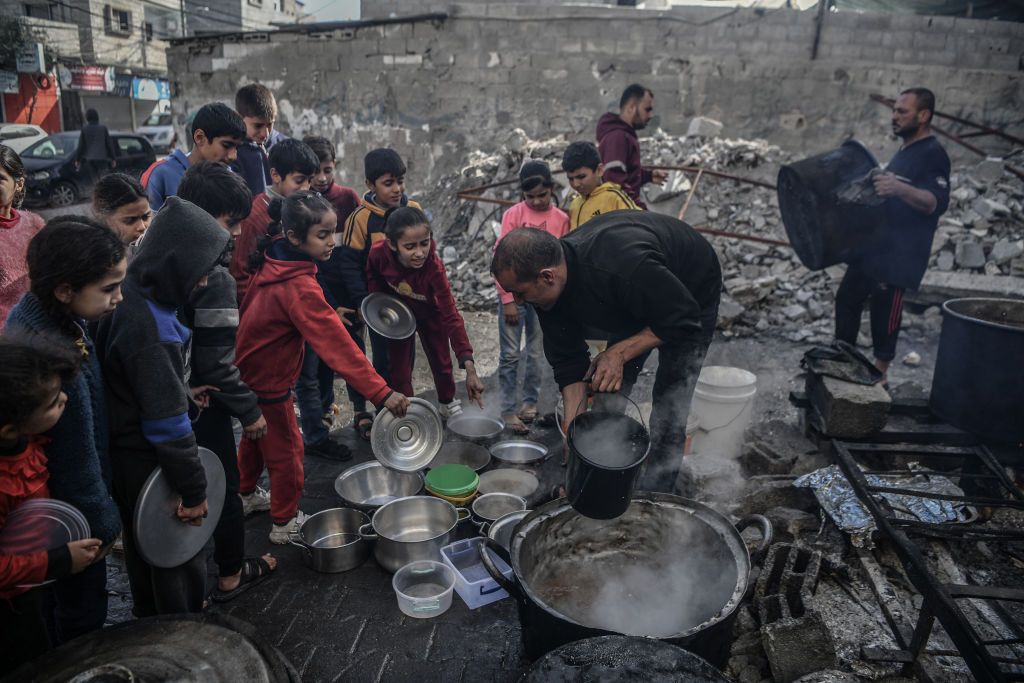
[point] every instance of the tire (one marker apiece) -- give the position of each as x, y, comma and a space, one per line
63, 194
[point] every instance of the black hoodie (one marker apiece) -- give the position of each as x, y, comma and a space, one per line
144, 349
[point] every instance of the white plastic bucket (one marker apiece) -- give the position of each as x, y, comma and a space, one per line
723, 402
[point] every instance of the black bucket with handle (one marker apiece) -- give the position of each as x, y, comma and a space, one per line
824, 224
606, 454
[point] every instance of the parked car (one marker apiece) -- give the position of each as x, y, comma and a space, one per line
18, 136
50, 167
160, 133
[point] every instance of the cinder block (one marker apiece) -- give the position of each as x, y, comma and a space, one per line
796, 647
848, 410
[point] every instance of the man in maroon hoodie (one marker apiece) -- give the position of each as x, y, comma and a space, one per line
618, 144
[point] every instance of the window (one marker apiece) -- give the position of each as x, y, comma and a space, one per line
256, 3
128, 146
117, 20
14, 132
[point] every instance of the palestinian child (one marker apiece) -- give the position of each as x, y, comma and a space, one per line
406, 265
385, 189
536, 210
315, 388
212, 315
144, 351
31, 403
120, 202
292, 164
17, 228
285, 310
582, 165
258, 109
217, 132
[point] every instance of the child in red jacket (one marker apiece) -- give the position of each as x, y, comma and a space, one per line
406, 264
31, 402
284, 309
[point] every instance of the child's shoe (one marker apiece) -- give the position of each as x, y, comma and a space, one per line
329, 449
257, 501
281, 534
450, 409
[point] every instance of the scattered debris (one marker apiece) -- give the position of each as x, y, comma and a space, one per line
913, 359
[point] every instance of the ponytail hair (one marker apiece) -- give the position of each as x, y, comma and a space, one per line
398, 220
295, 214
113, 191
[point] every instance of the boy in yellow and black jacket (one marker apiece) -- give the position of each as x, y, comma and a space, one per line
582, 165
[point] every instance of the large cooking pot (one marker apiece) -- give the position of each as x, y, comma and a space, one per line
369, 485
668, 568
822, 230
412, 528
978, 384
330, 540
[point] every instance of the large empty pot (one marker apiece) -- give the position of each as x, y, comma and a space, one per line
369, 485
330, 540
668, 568
824, 232
410, 529
979, 373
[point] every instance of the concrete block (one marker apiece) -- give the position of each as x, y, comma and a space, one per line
764, 494
848, 410
796, 647
759, 458
969, 254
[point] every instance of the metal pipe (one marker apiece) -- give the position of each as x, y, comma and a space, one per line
717, 174
963, 143
733, 235
686, 204
486, 200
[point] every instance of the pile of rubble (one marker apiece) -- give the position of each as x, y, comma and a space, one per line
766, 287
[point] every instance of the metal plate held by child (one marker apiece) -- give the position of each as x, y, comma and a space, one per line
162, 539
407, 443
388, 316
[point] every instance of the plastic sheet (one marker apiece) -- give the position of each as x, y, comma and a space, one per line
837, 497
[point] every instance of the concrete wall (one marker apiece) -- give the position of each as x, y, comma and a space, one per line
436, 89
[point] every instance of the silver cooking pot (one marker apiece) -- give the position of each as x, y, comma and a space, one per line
668, 568
411, 528
330, 540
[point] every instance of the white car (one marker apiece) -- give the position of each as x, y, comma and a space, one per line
160, 133
20, 136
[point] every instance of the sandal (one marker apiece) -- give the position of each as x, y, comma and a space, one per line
548, 420
515, 425
363, 422
528, 413
255, 570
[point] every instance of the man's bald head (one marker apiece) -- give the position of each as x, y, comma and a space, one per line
529, 264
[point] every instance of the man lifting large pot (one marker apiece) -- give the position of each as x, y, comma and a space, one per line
646, 281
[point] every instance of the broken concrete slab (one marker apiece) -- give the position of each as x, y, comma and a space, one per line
969, 255
1004, 251
937, 288
702, 126
767, 492
796, 647
789, 523
847, 410
989, 208
988, 171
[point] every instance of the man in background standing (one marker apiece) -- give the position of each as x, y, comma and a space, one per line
619, 146
95, 148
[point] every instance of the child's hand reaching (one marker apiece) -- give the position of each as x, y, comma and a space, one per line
397, 403
474, 387
83, 553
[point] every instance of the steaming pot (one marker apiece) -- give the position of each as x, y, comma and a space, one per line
668, 568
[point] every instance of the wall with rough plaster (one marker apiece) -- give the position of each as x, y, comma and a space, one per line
435, 89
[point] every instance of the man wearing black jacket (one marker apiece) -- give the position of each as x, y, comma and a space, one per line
645, 280
95, 147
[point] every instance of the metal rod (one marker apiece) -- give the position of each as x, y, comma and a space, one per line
988, 130
693, 189
717, 174
750, 238
486, 200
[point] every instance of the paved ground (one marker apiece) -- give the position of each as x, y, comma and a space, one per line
348, 626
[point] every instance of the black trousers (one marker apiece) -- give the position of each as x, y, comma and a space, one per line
379, 347
23, 635
77, 604
886, 306
213, 430
679, 367
154, 590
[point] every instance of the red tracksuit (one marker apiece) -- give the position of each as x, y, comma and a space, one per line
284, 308
427, 292
22, 477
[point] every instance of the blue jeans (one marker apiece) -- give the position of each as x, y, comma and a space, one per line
314, 393
509, 338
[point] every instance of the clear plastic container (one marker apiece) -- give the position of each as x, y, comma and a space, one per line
472, 582
424, 588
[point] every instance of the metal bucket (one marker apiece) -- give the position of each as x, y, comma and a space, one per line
824, 232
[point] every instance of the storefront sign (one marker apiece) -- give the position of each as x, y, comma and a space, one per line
88, 78
8, 82
122, 86
30, 59
151, 89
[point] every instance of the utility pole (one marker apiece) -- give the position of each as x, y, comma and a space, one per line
181, 5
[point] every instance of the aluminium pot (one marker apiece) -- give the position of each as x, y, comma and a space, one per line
369, 485
668, 568
410, 529
978, 385
330, 540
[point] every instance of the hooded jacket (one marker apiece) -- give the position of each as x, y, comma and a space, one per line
345, 273
425, 290
252, 228
605, 198
285, 308
77, 450
144, 349
620, 153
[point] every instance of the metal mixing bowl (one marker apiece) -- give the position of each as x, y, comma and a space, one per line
369, 485
467, 453
475, 427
